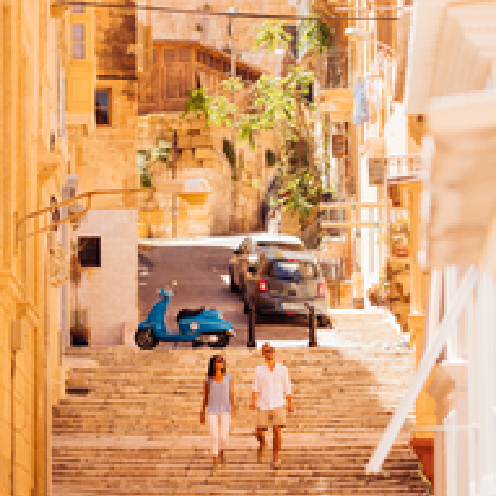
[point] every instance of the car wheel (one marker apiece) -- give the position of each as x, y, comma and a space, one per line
246, 308
222, 341
196, 344
145, 339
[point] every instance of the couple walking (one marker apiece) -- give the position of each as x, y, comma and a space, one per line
270, 384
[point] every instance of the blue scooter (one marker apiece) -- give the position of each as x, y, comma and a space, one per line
199, 326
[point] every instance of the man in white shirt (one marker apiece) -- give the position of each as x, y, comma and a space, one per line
270, 384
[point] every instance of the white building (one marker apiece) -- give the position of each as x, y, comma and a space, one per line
108, 291
451, 69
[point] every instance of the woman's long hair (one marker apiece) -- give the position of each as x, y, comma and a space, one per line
211, 365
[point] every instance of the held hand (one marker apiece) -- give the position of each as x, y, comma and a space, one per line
252, 406
202, 417
290, 408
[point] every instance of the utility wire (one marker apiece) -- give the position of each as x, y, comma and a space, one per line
170, 10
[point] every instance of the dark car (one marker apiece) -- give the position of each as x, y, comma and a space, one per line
250, 249
286, 284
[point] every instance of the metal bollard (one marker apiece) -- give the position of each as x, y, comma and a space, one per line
311, 328
251, 328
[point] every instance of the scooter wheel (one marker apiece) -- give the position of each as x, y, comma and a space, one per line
145, 339
222, 341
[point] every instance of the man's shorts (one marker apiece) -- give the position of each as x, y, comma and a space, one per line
269, 418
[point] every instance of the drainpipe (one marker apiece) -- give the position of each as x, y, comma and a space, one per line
47, 395
12, 430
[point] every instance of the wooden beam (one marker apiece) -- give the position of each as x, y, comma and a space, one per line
350, 225
341, 206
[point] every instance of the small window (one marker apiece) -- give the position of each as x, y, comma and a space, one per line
102, 107
78, 9
309, 94
78, 41
89, 251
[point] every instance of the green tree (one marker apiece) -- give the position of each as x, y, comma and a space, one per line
277, 104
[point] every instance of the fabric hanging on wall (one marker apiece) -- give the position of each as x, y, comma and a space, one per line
360, 106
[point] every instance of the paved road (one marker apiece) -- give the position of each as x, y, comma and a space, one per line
202, 279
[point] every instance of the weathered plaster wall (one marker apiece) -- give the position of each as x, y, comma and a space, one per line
110, 292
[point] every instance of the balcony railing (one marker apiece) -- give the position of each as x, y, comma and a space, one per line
403, 165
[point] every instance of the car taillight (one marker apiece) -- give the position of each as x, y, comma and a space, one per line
262, 286
321, 288
291, 260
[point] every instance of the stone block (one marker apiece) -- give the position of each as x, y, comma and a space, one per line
184, 142
206, 154
201, 141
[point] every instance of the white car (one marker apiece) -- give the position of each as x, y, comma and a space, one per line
246, 255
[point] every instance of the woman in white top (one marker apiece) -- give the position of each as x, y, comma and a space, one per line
219, 396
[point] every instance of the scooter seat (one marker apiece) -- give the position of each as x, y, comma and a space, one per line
188, 312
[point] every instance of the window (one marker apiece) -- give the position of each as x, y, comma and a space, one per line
102, 107
293, 271
78, 9
89, 251
309, 94
78, 41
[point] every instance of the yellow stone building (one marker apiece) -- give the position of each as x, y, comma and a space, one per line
34, 162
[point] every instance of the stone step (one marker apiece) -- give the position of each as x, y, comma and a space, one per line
336, 392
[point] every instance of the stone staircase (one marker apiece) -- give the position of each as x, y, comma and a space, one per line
137, 429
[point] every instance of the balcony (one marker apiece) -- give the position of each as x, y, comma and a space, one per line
394, 169
403, 167
333, 71
179, 67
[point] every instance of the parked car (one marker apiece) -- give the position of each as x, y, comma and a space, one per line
285, 283
249, 250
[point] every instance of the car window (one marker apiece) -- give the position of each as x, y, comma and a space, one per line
292, 271
281, 246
